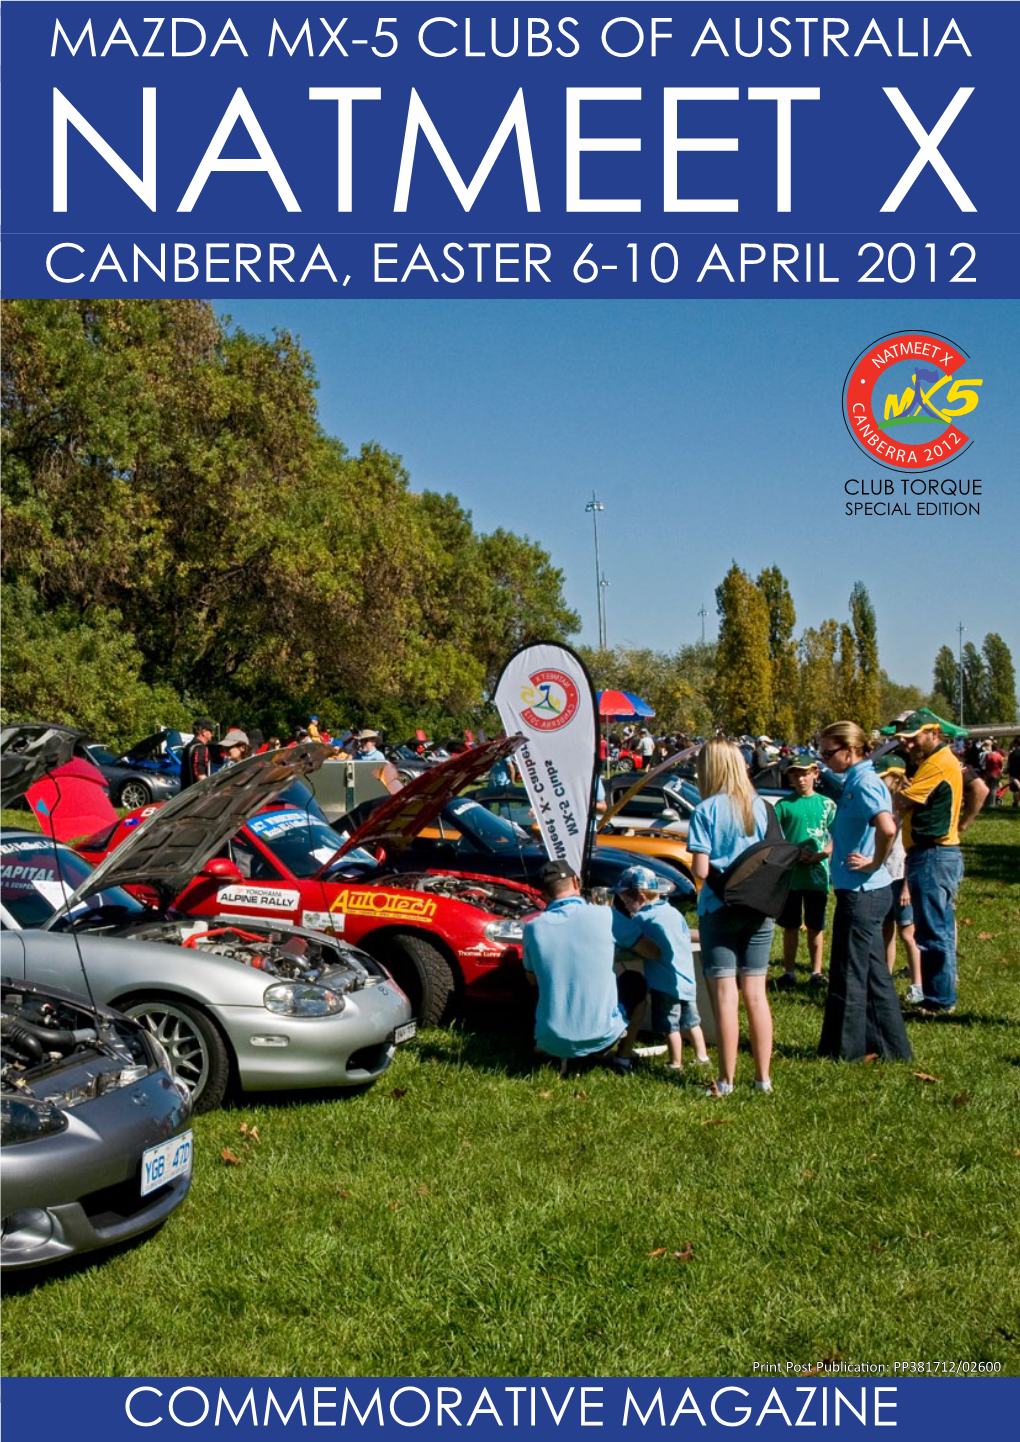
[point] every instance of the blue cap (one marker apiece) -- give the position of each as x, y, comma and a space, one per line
643, 878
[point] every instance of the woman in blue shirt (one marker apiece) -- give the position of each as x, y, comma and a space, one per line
862, 1010
734, 947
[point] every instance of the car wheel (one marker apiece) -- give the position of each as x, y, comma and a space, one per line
424, 974
198, 1054
625, 764
406, 777
133, 794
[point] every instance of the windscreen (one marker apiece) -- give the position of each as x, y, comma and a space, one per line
482, 829
37, 877
300, 842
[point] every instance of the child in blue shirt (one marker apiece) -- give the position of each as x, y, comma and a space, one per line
652, 930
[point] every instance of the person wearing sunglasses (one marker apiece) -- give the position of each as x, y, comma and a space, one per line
862, 1011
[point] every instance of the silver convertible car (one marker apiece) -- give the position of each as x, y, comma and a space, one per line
241, 1002
96, 1145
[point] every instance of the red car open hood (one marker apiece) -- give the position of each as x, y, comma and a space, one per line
178, 838
396, 823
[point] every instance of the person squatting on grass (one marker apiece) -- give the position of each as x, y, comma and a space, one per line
862, 1010
805, 819
735, 944
930, 803
650, 932
893, 771
583, 1007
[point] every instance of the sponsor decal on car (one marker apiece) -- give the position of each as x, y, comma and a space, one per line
322, 921
278, 823
381, 903
480, 949
258, 896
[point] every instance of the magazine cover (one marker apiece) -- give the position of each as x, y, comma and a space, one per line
510, 739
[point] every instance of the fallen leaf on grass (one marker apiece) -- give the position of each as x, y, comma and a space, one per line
967, 921
250, 1134
226, 1155
423, 1190
394, 1206
826, 1362
986, 936
807, 1172
659, 1252
545, 1095
466, 1143
716, 1122
871, 1056
343, 1192
873, 1157
687, 1255
925, 1076
961, 1100
580, 1096
398, 1092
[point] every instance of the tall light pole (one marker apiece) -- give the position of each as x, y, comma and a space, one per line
703, 613
603, 583
595, 506
960, 629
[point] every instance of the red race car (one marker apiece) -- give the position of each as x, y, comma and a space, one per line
441, 934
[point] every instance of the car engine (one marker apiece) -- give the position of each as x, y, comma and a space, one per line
487, 895
50, 1047
278, 951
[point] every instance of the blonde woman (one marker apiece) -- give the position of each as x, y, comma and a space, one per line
862, 1010
735, 945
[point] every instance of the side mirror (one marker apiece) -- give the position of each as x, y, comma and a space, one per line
221, 868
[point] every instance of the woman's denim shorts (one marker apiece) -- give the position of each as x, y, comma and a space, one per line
732, 945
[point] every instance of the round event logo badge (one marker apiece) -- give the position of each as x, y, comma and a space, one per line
550, 701
904, 398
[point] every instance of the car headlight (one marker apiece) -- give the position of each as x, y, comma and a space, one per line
24, 1121
505, 932
299, 998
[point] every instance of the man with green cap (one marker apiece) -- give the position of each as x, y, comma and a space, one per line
930, 805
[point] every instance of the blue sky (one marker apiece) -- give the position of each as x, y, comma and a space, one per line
711, 432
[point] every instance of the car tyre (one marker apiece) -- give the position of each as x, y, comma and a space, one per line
425, 975
133, 794
198, 1053
625, 764
406, 777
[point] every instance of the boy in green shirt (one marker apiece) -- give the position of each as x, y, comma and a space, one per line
805, 819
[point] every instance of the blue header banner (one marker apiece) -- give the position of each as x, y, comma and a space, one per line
406, 150
887, 1396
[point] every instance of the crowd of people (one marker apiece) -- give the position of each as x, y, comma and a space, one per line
202, 755
884, 838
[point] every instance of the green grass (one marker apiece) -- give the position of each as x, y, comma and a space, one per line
472, 1215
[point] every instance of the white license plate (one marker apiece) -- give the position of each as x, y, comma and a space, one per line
405, 1032
166, 1162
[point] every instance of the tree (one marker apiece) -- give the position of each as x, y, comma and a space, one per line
945, 698
817, 701
975, 686
864, 687
173, 472
782, 650
1000, 680
897, 700
743, 672
80, 670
